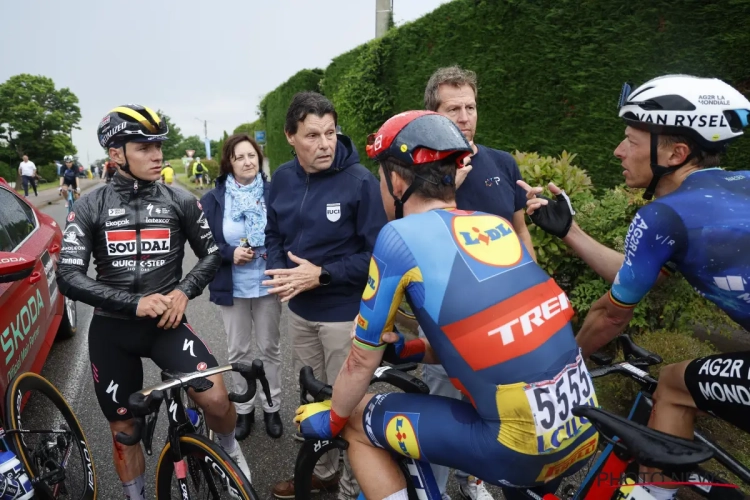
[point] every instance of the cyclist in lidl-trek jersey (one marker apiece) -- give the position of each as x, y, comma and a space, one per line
497, 322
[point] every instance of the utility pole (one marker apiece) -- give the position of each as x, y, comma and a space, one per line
205, 138
383, 10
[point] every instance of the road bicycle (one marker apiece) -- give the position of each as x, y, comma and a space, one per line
202, 469
43, 450
613, 475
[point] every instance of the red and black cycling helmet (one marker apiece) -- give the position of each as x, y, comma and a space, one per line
131, 123
417, 138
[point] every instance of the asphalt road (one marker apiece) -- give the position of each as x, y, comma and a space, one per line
68, 368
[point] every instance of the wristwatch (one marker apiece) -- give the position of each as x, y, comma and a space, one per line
325, 277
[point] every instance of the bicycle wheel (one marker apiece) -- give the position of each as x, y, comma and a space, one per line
50, 443
209, 472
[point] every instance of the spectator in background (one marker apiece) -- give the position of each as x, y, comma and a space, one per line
109, 170
167, 174
236, 213
326, 207
27, 171
199, 170
488, 185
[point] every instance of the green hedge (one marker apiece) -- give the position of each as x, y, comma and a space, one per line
273, 113
48, 172
7, 172
550, 71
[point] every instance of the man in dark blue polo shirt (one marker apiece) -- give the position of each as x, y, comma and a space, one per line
488, 185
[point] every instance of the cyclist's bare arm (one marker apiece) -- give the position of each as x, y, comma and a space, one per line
605, 321
354, 378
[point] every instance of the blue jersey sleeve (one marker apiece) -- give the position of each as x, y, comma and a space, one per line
654, 236
392, 269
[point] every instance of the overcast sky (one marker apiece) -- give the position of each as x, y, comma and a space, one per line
211, 60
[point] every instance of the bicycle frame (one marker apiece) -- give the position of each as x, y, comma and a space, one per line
607, 474
147, 402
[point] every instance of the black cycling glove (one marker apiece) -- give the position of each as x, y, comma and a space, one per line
556, 216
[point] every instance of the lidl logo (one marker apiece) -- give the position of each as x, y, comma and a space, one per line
402, 435
373, 281
488, 239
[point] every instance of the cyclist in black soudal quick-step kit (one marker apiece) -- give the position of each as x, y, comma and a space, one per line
136, 229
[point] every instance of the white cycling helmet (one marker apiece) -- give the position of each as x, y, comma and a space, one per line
68, 158
706, 110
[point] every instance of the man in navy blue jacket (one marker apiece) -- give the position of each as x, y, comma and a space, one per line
324, 215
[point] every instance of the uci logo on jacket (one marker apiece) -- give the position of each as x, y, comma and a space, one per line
333, 211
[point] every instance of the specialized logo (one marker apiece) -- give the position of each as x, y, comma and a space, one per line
401, 433
488, 239
122, 411
71, 216
203, 221
124, 241
373, 281
512, 328
202, 366
188, 345
333, 211
113, 389
582, 451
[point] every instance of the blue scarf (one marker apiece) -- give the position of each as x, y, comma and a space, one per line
247, 204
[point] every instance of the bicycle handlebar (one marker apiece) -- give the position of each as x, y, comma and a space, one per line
395, 375
251, 374
148, 400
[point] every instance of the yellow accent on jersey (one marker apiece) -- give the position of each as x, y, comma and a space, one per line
413, 275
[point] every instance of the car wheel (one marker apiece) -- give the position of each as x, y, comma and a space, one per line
68, 325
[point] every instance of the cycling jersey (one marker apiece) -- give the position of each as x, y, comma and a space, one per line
500, 326
702, 228
168, 174
137, 238
70, 176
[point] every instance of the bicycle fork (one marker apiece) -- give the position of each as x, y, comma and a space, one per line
202, 470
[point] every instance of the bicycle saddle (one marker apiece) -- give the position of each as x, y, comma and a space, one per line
647, 446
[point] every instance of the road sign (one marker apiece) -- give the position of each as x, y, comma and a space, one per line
260, 136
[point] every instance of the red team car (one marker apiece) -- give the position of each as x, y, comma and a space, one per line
33, 312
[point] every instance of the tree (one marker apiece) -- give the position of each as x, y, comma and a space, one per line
192, 142
171, 147
36, 119
218, 146
250, 128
